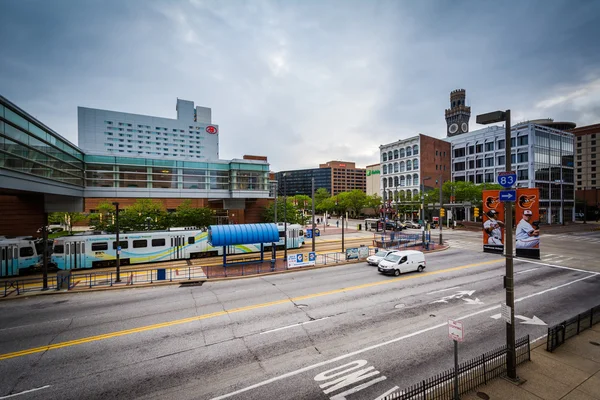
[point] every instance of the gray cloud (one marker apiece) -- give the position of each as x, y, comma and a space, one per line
301, 82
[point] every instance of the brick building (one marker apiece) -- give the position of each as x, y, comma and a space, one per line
587, 156
405, 163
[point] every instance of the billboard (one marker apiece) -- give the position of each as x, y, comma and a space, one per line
527, 216
493, 222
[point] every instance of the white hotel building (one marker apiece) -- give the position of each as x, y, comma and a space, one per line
191, 136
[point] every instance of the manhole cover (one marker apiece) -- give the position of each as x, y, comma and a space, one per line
595, 343
400, 305
483, 396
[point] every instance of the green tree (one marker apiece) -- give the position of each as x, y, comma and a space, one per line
321, 195
66, 219
186, 215
291, 212
356, 200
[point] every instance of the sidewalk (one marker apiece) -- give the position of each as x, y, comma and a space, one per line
571, 372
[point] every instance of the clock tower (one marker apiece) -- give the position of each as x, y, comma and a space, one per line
457, 116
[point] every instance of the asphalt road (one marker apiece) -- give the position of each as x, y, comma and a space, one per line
289, 336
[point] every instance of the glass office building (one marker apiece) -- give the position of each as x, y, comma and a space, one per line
300, 181
190, 176
541, 155
29, 147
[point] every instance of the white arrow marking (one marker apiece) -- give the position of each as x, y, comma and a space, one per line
471, 301
465, 292
530, 321
526, 321
457, 295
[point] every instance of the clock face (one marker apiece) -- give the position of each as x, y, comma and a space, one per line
464, 127
453, 128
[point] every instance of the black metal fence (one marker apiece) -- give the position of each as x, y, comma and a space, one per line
557, 334
471, 374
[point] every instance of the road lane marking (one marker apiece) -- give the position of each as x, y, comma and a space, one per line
234, 310
378, 345
527, 270
555, 266
444, 290
293, 325
25, 392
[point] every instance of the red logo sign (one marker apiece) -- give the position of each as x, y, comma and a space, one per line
211, 129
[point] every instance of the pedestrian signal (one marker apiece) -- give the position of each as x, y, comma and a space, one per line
476, 212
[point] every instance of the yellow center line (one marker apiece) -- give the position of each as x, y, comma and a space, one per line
231, 311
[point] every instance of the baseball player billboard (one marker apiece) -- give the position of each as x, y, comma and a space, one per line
493, 222
527, 213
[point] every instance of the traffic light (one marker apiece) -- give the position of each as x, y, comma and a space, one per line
476, 212
442, 212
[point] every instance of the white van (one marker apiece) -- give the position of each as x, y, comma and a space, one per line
402, 261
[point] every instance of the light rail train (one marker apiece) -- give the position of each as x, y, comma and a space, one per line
18, 255
99, 250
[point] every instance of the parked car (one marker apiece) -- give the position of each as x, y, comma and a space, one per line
392, 226
402, 261
378, 256
411, 224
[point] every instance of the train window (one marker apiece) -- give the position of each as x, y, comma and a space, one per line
25, 251
300, 233
124, 244
281, 234
59, 249
99, 246
68, 248
138, 244
191, 240
158, 242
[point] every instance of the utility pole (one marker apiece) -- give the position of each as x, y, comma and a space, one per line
313, 212
509, 283
440, 211
45, 256
511, 356
285, 218
118, 244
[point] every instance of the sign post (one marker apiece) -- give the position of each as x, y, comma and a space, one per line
456, 333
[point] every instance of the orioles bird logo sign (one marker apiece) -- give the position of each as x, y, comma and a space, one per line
526, 201
491, 202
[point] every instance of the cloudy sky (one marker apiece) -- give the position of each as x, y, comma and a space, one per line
302, 82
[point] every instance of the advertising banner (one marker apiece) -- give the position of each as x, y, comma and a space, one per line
352, 254
363, 252
527, 217
298, 260
493, 222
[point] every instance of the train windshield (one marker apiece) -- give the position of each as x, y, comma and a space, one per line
59, 248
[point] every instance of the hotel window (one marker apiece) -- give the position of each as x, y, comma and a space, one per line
489, 146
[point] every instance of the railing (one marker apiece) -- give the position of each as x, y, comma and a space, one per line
90, 280
106, 279
471, 374
394, 240
557, 334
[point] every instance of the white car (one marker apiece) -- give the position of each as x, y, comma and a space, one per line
378, 256
402, 261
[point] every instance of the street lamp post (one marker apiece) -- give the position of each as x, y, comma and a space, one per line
45, 256
313, 212
285, 218
509, 283
148, 220
440, 210
118, 244
423, 204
